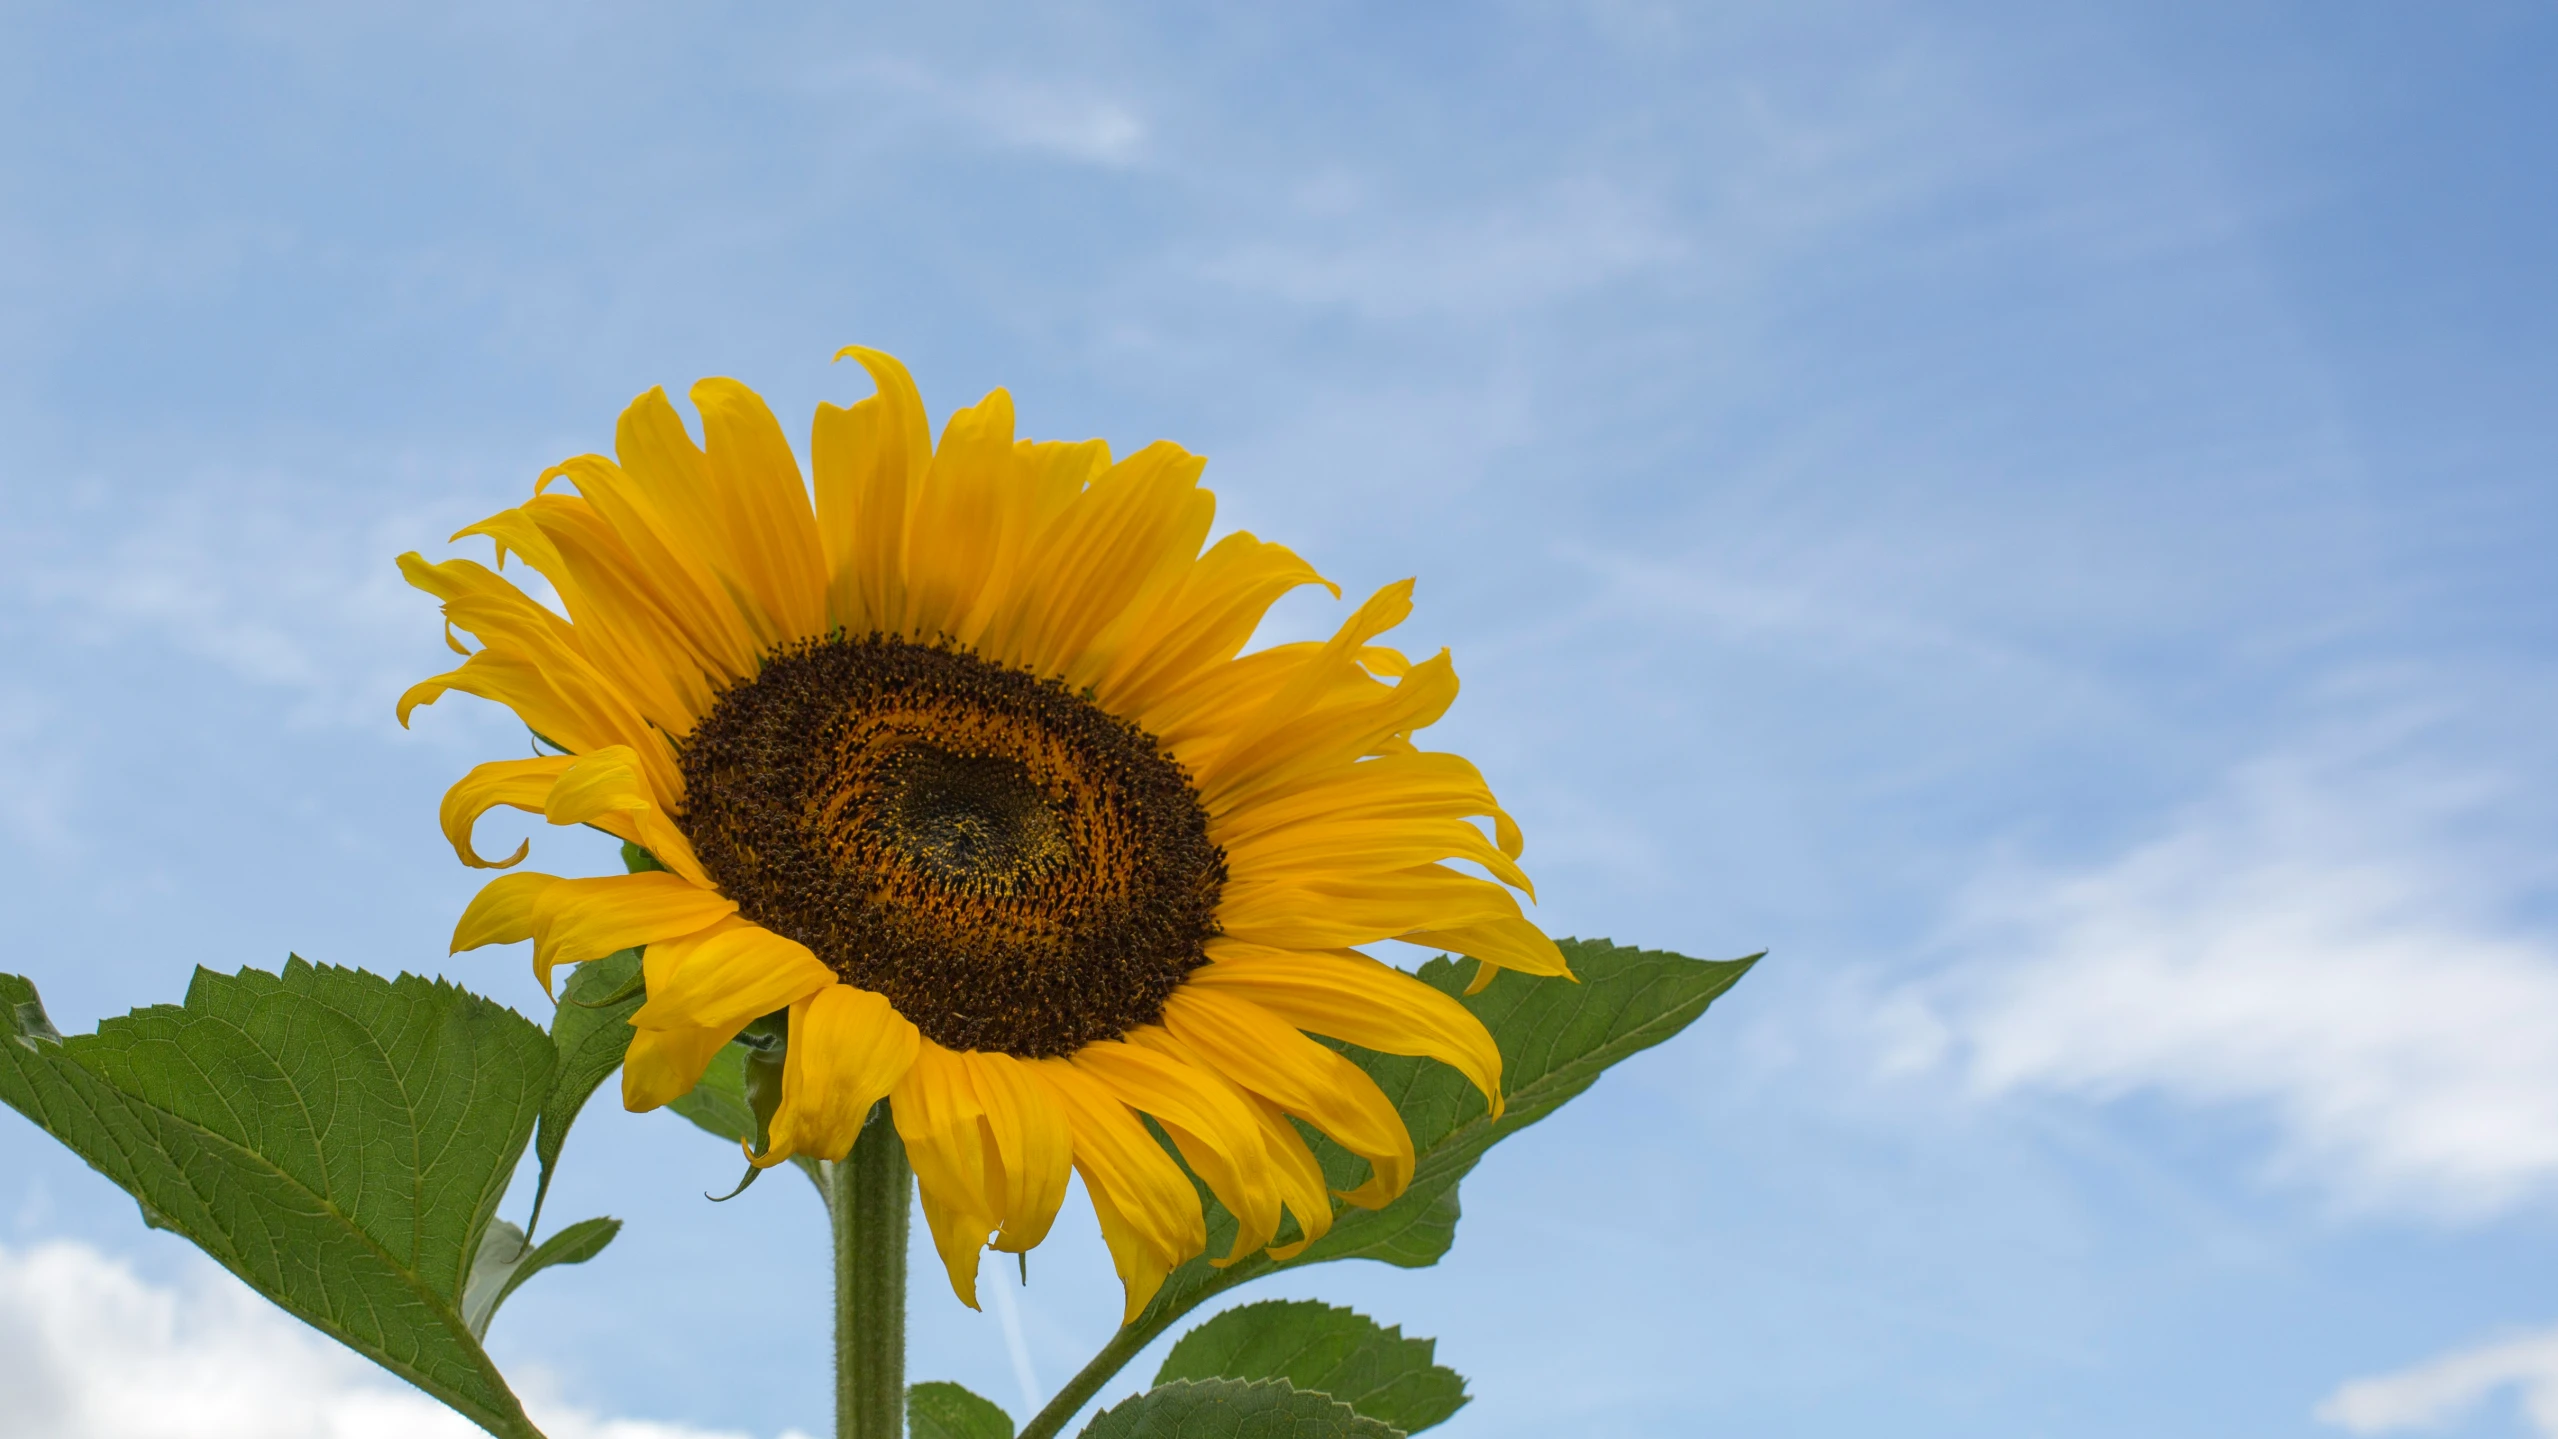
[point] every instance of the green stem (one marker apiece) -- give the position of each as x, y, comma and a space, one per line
1126, 1344
866, 1197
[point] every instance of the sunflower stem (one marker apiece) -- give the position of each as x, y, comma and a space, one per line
866, 1199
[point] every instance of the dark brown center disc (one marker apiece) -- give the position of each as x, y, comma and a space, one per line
1015, 869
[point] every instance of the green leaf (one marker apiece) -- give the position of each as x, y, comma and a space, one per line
592, 1031
506, 1260
1316, 1347
1232, 1409
718, 1105
336, 1139
943, 1410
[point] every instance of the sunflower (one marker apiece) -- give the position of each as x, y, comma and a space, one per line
960, 766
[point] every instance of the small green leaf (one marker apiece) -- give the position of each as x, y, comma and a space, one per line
1232, 1409
1317, 1347
505, 1261
591, 1030
718, 1105
338, 1140
942, 1410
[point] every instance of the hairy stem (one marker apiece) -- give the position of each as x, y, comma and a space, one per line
866, 1198
1124, 1346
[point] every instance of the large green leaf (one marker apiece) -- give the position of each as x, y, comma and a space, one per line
336, 1139
591, 1030
940, 1409
1318, 1347
1232, 1409
1555, 1037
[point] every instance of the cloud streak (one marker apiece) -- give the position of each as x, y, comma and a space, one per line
2441, 1390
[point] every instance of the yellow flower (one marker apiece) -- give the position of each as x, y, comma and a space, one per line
962, 767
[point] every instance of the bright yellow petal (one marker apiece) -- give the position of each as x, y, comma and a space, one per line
868, 463
1148, 1210
668, 565
1211, 1124
1142, 515
665, 1064
1263, 1053
516, 783
952, 535
1204, 621
848, 1049
502, 912
725, 976
1505, 943
942, 1121
577, 920
611, 791
771, 532
1352, 998
1326, 912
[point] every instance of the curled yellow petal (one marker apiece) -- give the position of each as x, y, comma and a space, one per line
515, 783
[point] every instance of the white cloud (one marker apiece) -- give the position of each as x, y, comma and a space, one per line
90, 1350
2332, 940
2439, 1391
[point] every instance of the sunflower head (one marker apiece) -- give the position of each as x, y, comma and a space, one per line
952, 762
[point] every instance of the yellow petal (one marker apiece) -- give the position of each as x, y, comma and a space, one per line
1148, 1210
848, 1049
868, 463
1355, 999
665, 1064
1143, 514
941, 1119
1506, 943
610, 790
725, 976
577, 920
1209, 1122
502, 912
1032, 1146
772, 534
1263, 1053
952, 536
515, 783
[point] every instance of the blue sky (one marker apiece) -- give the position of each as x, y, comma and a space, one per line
2039, 516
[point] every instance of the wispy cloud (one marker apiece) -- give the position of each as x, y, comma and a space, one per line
91, 1350
269, 583
2441, 1390
1071, 121
2329, 940
1575, 236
